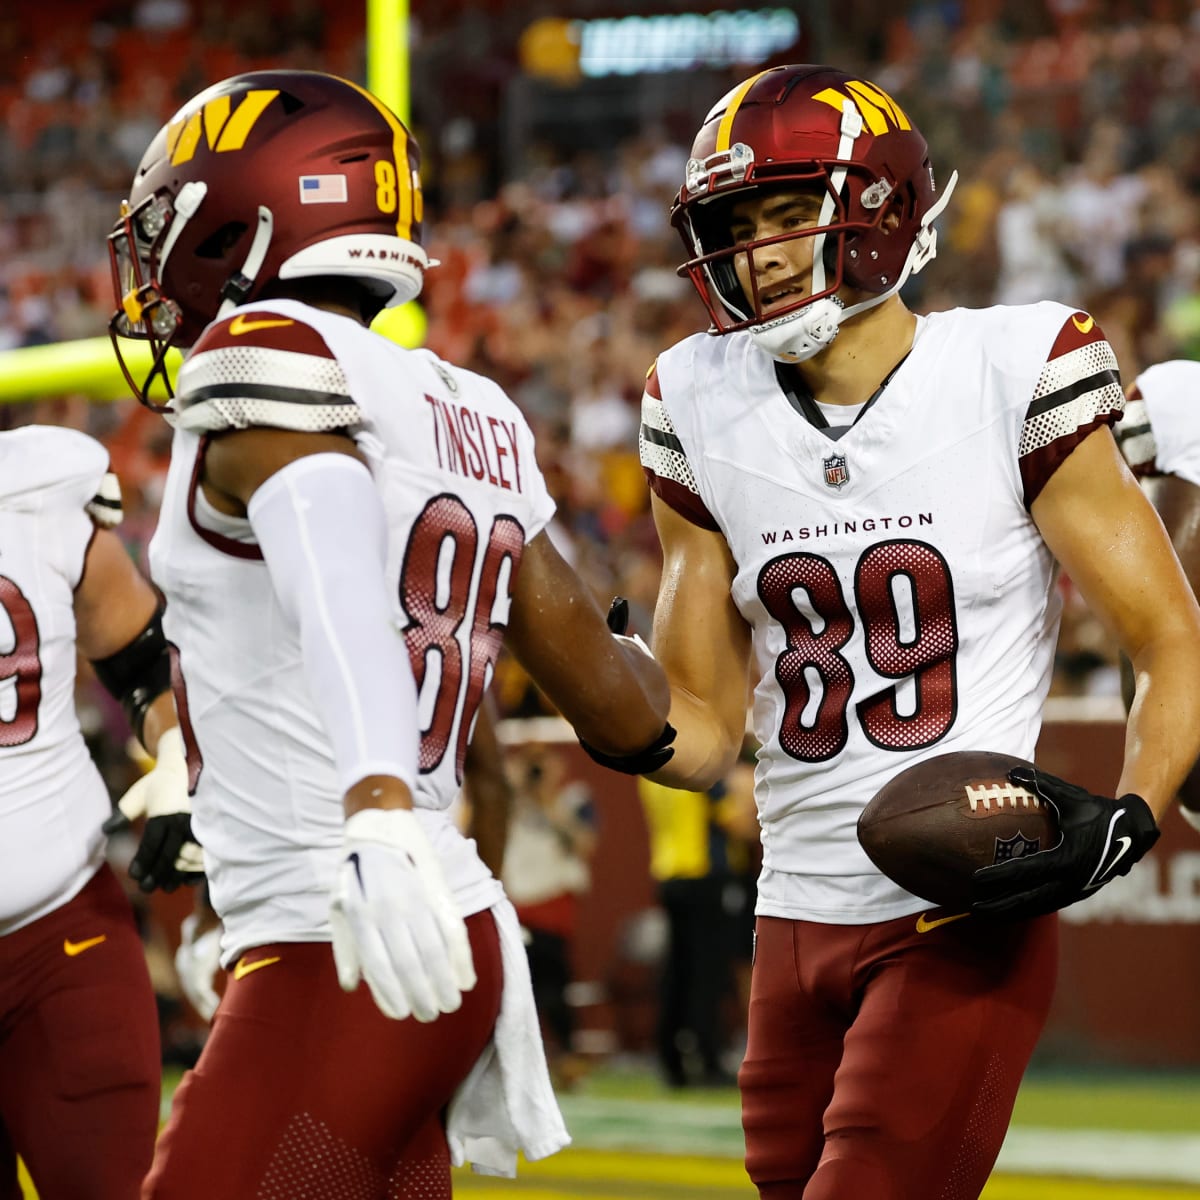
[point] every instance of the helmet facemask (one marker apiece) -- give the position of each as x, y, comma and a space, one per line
136, 248
713, 269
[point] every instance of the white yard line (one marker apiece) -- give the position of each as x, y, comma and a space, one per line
681, 1128
1102, 1154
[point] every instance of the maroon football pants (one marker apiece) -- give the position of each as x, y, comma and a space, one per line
883, 1061
304, 1090
80, 1064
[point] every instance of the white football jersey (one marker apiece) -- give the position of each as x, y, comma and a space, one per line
1160, 432
52, 798
454, 462
902, 602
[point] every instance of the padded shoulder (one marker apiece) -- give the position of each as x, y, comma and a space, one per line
45, 467
260, 367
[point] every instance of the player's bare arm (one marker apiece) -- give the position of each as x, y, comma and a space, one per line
704, 647
1177, 501
613, 694
114, 603
488, 790
118, 627
1100, 526
237, 464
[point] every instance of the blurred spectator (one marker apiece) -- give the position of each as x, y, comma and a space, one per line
698, 857
551, 838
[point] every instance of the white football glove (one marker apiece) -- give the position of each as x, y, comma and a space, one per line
395, 922
168, 854
196, 963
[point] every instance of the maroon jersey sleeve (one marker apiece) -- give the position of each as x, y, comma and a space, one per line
260, 368
665, 461
1078, 390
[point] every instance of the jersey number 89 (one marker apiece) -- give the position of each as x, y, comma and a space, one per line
904, 599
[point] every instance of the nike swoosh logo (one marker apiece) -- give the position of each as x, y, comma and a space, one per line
245, 968
1103, 874
1083, 326
70, 948
242, 324
924, 925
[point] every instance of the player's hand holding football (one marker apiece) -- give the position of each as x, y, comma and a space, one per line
394, 919
1099, 840
168, 855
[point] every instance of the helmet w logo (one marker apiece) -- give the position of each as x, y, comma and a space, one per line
879, 110
222, 126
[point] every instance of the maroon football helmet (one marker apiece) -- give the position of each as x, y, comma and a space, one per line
808, 128
269, 175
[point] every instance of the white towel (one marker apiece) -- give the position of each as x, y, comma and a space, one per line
507, 1104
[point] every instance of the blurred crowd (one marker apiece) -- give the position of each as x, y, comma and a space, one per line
1074, 126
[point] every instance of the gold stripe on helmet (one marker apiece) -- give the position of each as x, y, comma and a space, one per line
735, 102
405, 180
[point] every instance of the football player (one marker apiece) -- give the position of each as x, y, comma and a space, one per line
80, 1060
1160, 439
862, 512
348, 531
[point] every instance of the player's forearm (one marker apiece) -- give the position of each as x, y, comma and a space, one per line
376, 791
619, 706
1162, 737
160, 716
706, 743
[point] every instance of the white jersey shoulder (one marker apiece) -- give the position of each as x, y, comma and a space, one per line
44, 468
264, 365
1160, 434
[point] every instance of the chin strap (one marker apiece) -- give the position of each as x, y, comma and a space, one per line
237, 287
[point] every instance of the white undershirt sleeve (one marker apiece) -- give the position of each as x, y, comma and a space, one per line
322, 529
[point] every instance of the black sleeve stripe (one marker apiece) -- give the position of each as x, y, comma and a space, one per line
263, 391
660, 437
1073, 391
1125, 432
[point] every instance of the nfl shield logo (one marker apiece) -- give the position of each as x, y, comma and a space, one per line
836, 474
1017, 846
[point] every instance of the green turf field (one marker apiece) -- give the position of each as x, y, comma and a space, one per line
1074, 1137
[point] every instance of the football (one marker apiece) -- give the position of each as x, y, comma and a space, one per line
940, 820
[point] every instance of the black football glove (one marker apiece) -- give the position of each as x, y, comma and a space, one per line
1099, 839
168, 854
659, 752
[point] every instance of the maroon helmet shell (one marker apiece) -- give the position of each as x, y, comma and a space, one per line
789, 126
267, 175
